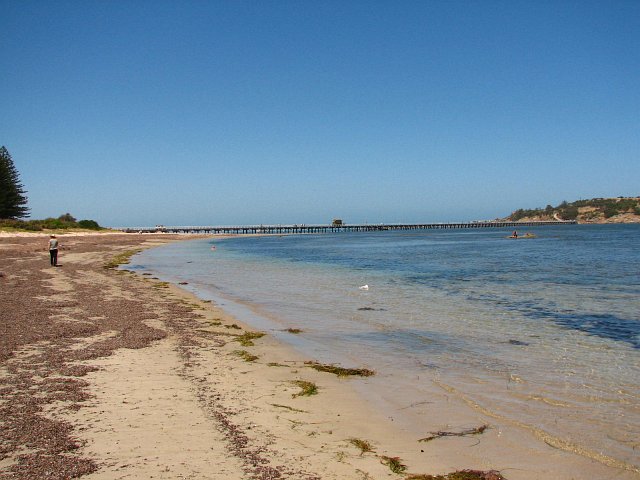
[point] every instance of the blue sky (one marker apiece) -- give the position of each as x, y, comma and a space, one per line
232, 112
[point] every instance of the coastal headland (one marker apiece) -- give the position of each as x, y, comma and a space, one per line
591, 211
110, 374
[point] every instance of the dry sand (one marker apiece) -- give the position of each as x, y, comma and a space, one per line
112, 375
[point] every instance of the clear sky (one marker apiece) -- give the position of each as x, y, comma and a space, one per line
236, 112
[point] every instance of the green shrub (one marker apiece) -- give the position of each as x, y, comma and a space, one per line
9, 223
569, 213
54, 223
67, 218
610, 211
32, 226
89, 224
626, 204
63, 222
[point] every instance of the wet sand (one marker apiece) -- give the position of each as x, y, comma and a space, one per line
113, 375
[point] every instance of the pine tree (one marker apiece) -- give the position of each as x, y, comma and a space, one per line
13, 198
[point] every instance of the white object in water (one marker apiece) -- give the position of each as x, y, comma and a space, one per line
364, 287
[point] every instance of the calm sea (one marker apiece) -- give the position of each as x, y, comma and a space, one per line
544, 332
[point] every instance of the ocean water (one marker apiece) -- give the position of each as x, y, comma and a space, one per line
542, 332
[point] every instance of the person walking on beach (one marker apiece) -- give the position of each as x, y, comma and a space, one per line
53, 250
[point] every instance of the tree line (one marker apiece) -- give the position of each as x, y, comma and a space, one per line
13, 203
13, 199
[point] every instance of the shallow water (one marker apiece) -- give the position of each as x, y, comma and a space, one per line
543, 332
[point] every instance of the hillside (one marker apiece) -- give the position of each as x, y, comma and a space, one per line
595, 210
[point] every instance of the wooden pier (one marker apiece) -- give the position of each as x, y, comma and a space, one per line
301, 229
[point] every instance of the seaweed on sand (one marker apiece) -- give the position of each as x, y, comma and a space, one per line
246, 339
121, 259
289, 408
461, 475
363, 445
246, 356
307, 388
340, 371
471, 431
394, 464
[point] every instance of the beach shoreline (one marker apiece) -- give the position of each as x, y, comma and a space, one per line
138, 378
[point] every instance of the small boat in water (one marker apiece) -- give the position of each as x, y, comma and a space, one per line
526, 235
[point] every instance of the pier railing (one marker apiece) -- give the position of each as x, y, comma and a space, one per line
293, 229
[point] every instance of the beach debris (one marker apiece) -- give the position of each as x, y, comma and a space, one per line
394, 464
192, 306
460, 475
246, 339
38, 439
517, 342
431, 366
121, 259
415, 404
372, 309
295, 331
463, 433
363, 445
306, 388
288, 408
246, 356
364, 287
340, 371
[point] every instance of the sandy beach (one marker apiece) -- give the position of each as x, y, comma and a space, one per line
109, 374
